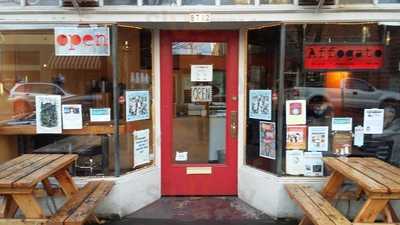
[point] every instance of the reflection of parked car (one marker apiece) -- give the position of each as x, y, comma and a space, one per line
352, 93
26, 92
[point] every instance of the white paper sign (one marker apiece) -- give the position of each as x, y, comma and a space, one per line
181, 156
296, 112
201, 93
201, 73
100, 114
373, 121
72, 116
48, 114
313, 164
82, 41
294, 162
141, 147
359, 136
318, 138
342, 123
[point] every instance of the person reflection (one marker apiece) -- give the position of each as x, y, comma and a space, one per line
391, 132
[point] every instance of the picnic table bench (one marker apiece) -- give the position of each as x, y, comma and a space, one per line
377, 180
18, 181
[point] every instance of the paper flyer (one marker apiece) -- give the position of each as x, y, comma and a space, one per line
201, 73
267, 140
342, 142
294, 162
295, 112
48, 114
318, 138
137, 105
342, 123
260, 104
141, 147
296, 137
373, 121
358, 136
100, 114
72, 116
313, 164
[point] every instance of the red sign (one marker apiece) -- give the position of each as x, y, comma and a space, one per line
341, 57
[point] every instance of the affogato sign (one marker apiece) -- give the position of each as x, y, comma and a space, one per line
339, 57
82, 41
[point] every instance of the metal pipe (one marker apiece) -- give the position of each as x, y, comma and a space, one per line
115, 73
281, 102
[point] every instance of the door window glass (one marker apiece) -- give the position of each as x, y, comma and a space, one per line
199, 118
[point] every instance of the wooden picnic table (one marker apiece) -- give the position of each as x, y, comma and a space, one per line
379, 181
20, 176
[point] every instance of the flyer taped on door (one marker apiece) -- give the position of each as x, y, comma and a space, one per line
295, 112
260, 104
296, 137
201, 73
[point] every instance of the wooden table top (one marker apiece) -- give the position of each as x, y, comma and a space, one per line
373, 175
27, 170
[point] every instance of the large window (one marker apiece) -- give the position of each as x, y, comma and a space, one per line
341, 95
33, 76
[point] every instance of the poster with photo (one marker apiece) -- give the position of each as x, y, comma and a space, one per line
72, 116
267, 140
48, 114
260, 104
141, 146
318, 138
295, 112
294, 162
296, 137
137, 105
313, 164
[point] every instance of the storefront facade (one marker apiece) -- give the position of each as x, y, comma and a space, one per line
200, 97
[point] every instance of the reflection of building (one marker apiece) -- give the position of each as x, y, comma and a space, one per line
251, 45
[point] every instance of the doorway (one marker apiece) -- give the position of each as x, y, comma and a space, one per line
199, 100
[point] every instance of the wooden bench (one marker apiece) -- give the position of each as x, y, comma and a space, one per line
80, 207
315, 207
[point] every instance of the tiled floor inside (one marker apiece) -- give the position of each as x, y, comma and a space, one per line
199, 211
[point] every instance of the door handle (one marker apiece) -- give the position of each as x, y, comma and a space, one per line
234, 124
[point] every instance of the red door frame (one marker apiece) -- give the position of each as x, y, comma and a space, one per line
223, 180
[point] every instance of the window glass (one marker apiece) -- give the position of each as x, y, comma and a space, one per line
9, 2
42, 2
389, 1
30, 69
120, 2
262, 86
358, 71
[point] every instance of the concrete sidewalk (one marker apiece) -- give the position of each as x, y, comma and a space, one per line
199, 211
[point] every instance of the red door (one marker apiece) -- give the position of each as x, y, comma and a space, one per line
199, 79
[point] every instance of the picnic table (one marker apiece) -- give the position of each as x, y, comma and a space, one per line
379, 181
19, 178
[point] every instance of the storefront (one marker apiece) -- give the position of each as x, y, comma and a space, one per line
226, 102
